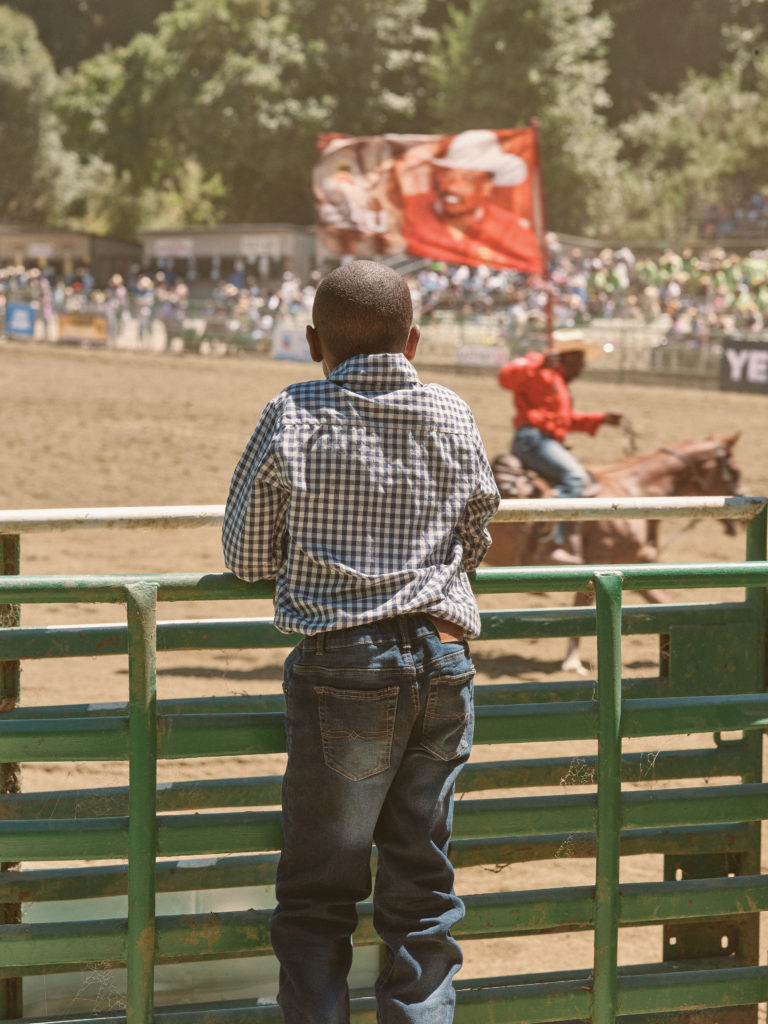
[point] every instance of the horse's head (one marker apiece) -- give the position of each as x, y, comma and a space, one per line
710, 469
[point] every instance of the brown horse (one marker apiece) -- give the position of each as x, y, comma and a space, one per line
703, 467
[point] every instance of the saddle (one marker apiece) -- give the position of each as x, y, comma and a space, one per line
515, 480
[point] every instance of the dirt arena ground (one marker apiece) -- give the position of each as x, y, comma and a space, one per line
100, 428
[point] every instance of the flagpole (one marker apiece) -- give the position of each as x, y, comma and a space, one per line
539, 224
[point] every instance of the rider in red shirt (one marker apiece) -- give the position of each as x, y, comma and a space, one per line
545, 414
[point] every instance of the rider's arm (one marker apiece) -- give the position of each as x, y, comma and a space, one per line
588, 422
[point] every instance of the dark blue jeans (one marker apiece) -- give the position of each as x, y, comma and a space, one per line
543, 454
379, 721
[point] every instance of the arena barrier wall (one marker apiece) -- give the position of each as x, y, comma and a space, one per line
711, 680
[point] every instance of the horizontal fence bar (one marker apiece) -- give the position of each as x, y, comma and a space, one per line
192, 835
203, 794
219, 735
536, 1003
510, 510
517, 693
246, 932
55, 520
513, 510
94, 640
233, 871
524, 579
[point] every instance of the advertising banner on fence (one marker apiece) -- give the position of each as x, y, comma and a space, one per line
290, 342
20, 320
472, 198
84, 327
744, 366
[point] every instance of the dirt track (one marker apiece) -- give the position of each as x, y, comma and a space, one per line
92, 428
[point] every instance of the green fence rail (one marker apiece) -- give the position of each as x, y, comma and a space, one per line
711, 679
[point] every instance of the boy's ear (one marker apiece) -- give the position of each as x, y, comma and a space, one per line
413, 341
314, 344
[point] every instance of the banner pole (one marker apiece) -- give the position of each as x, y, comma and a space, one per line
539, 224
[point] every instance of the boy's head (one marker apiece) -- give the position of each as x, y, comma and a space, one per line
361, 308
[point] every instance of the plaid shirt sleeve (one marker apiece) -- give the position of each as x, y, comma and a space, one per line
472, 528
254, 516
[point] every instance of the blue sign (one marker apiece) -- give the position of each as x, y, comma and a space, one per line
20, 320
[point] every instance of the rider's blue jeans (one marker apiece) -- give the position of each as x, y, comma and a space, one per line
379, 721
554, 462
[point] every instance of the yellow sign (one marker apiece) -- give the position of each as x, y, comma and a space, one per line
91, 327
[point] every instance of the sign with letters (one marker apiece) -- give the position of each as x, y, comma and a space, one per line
744, 366
20, 320
90, 328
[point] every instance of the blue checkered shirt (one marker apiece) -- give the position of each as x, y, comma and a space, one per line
367, 496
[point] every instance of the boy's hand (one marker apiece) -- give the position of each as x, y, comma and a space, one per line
613, 419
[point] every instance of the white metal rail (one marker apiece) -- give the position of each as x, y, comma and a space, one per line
18, 521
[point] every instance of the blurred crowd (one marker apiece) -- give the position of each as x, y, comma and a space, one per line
745, 218
693, 294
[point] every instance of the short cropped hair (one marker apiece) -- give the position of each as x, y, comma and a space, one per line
363, 308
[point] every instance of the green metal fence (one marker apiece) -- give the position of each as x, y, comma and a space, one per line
711, 680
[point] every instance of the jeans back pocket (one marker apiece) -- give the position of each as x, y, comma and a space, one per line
449, 716
357, 727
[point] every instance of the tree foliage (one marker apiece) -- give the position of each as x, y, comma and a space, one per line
656, 44
706, 142
35, 173
502, 62
73, 30
242, 88
197, 111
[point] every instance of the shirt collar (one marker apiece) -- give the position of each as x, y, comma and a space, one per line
383, 371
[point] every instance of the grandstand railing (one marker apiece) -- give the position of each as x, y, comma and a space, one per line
711, 679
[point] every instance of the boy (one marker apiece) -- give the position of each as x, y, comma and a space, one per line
367, 495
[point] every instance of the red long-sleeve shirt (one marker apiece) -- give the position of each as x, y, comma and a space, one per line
542, 398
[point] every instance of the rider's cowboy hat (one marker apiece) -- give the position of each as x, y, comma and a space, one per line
572, 340
478, 150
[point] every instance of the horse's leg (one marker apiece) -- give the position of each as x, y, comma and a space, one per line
656, 596
572, 662
648, 553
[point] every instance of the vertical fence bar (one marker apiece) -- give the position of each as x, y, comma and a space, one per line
608, 587
10, 773
142, 828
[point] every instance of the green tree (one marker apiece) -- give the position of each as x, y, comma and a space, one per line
706, 142
36, 175
371, 68
502, 62
73, 30
656, 44
241, 88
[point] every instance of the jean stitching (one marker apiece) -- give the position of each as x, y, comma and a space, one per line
387, 698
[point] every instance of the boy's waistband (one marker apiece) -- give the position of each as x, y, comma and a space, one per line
401, 628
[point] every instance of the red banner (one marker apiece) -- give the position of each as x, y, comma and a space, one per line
473, 198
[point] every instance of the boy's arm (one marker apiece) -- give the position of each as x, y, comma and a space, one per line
472, 527
254, 516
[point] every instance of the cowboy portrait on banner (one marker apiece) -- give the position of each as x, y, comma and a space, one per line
473, 197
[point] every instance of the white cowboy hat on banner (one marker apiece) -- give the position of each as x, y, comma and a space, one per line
478, 150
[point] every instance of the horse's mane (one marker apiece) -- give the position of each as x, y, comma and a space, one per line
702, 445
